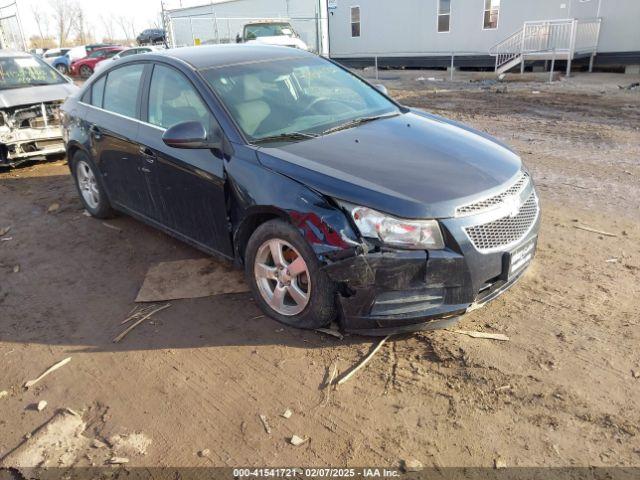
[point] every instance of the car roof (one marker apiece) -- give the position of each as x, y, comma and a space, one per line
213, 56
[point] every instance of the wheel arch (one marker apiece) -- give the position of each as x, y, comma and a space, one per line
254, 217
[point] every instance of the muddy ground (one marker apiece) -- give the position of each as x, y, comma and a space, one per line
564, 391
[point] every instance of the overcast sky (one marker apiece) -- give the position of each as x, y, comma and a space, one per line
145, 12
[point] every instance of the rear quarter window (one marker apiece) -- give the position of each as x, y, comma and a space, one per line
97, 92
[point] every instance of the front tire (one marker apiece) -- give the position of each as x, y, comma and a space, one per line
285, 277
62, 68
85, 71
89, 185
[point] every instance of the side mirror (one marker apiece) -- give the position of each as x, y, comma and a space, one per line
189, 135
382, 88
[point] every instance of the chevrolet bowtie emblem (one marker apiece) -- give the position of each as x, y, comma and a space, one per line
512, 205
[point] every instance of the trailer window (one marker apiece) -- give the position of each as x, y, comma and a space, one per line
491, 14
355, 21
444, 15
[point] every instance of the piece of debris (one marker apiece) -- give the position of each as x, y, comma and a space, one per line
556, 449
491, 336
635, 373
204, 453
53, 207
412, 465
631, 86
86, 213
593, 230
499, 463
286, 414
329, 331
504, 387
138, 322
42, 404
16, 269
118, 460
536, 92
612, 260
194, 278
98, 444
51, 369
6, 239
57, 443
112, 227
3, 394
128, 444
296, 441
363, 362
4, 231
265, 423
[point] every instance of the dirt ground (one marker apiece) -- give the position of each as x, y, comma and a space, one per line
564, 391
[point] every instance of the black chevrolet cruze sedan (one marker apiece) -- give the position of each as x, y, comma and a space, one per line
339, 202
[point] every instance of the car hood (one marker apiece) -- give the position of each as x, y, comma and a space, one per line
414, 165
37, 94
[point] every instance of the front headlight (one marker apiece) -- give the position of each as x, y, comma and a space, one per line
397, 232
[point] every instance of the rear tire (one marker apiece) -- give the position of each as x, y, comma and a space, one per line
62, 68
294, 290
90, 187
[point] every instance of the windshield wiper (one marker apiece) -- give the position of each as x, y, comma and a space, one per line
358, 121
291, 136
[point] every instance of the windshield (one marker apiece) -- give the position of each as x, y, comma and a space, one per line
293, 96
16, 72
251, 32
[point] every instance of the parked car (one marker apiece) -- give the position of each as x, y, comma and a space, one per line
85, 66
125, 53
31, 93
338, 201
62, 63
151, 36
272, 32
50, 55
79, 52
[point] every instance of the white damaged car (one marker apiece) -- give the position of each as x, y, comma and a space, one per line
31, 92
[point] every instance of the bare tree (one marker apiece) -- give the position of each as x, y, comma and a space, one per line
80, 25
42, 22
108, 24
63, 17
128, 26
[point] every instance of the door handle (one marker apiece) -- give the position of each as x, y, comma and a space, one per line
145, 170
95, 131
147, 154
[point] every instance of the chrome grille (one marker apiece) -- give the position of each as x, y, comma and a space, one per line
495, 201
506, 230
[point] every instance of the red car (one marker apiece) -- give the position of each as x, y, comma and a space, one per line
84, 66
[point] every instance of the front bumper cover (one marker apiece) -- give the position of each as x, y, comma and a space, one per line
398, 291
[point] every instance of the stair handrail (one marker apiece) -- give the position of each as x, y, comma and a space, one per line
508, 49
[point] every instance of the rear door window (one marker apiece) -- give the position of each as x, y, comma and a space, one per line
121, 90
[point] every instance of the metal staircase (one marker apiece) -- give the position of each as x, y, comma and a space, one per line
565, 39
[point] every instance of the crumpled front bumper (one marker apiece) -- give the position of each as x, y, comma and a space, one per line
397, 291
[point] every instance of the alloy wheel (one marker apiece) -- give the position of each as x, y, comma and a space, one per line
88, 184
282, 277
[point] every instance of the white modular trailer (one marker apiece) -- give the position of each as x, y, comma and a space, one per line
426, 32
